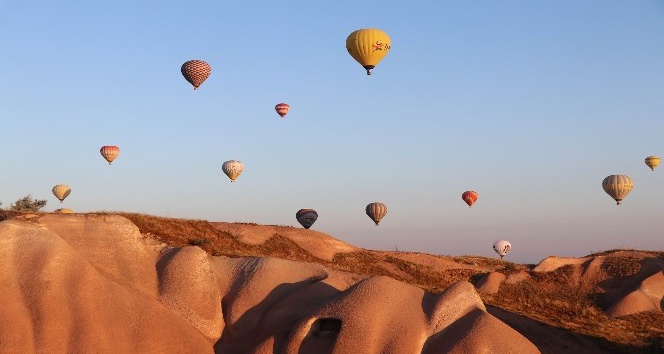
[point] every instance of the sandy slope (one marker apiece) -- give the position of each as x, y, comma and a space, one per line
90, 283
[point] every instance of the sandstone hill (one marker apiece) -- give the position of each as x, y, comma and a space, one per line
136, 283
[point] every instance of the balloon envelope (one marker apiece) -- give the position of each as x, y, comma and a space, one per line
376, 211
109, 152
306, 217
652, 162
63, 211
196, 72
282, 109
61, 191
232, 169
368, 46
617, 186
470, 197
502, 247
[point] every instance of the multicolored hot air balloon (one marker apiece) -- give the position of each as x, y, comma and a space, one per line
502, 247
232, 169
61, 191
109, 152
306, 217
470, 197
376, 211
282, 109
652, 162
618, 186
196, 71
368, 46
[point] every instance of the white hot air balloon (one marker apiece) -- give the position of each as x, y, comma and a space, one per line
502, 247
232, 169
61, 191
618, 186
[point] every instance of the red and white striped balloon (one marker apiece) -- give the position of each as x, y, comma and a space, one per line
109, 152
196, 71
282, 109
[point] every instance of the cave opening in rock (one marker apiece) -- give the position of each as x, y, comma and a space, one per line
326, 326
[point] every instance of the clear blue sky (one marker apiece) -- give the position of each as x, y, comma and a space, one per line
530, 103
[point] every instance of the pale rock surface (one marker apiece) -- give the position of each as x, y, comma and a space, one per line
55, 301
77, 283
648, 296
552, 263
490, 283
188, 286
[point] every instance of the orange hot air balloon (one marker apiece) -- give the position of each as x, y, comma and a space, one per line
282, 109
470, 197
109, 152
196, 71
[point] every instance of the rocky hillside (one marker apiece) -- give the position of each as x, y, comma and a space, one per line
250, 274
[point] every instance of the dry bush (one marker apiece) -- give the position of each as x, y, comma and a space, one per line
281, 247
561, 276
620, 267
8, 214
181, 232
569, 308
360, 262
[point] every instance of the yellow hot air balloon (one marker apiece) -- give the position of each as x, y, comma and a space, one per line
617, 186
61, 191
63, 211
109, 152
232, 169
652, 162
368, 46
376, 211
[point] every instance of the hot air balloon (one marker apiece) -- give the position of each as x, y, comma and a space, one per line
368, 46
63, 211
470, 197
502, 247
617, 186
196, 71
232, 169
652, 162
61, 191
306, 217
109, 152
376, 211
282, 109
